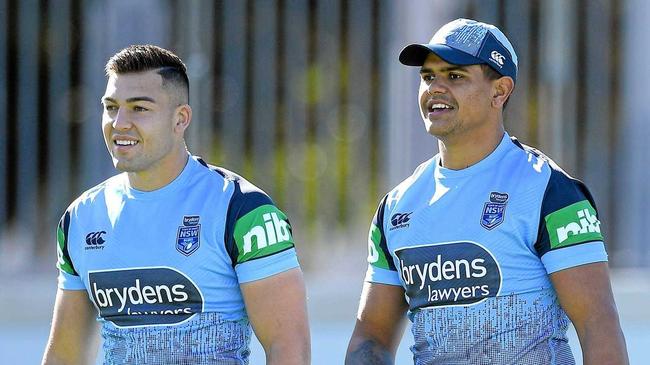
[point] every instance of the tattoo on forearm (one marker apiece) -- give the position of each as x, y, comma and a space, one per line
369, 353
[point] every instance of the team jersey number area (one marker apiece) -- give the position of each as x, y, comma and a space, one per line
144, 296
444, 274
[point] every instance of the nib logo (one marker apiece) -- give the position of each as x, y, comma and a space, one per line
94, 240
576, 223
586, 223
274, 230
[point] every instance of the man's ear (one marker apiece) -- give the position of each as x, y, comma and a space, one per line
183, 116
502, 88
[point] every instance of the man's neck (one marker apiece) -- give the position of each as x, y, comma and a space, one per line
460, 153
160, 175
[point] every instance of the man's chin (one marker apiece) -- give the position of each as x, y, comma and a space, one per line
124, 166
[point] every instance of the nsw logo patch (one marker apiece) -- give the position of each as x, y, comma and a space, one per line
188, 238
494, 210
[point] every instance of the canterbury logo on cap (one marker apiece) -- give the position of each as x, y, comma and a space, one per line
497, 57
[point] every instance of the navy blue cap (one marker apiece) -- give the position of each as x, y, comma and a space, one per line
466, 42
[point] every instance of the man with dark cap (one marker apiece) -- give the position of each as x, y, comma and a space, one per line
490, 247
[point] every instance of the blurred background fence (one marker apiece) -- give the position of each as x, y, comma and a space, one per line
306, 99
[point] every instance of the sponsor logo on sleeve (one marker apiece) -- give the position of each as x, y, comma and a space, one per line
144, 296
261, 232
573, 224
494, 210
188, 238
376, 256
448, 274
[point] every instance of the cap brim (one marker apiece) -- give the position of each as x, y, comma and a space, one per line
416, 54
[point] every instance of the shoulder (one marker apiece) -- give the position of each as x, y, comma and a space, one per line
96, 195
560, 185
419, 174
568, 214
243, 191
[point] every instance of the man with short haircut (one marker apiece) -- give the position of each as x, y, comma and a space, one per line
177, 257
489, 245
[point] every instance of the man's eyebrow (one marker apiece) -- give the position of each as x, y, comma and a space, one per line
129, 100
140, 98
445, 69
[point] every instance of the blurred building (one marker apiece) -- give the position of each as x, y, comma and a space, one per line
307, 100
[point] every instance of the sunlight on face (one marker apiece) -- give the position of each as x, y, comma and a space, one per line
452, 98
138, 121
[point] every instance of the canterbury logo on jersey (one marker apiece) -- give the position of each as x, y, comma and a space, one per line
95, 241
573, 224
400, 220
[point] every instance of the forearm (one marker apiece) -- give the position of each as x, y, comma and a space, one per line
50, 358
296, 352
365, 351
603, 343
59, 351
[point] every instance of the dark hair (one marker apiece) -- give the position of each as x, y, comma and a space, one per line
140, 58
492, 74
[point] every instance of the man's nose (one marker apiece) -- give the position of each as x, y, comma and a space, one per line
122, 120
436, 86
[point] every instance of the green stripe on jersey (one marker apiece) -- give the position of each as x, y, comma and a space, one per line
63, 262
263, 231
376, 256
573, 224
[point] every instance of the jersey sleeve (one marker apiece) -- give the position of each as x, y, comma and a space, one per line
381, 268
258, 235
68, 277
569, 229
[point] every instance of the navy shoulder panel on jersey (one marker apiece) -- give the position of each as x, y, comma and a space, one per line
245, 198
568, 213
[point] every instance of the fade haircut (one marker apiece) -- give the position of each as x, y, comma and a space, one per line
491, 74
141, 58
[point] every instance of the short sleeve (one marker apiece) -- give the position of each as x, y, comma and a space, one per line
68, 277
381, 268
569, 229
258, 235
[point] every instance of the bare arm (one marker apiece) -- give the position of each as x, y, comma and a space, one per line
277, 310
379, 327
73, 330
586, 296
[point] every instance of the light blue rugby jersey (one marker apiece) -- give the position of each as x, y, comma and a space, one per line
473, 249
163, 267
